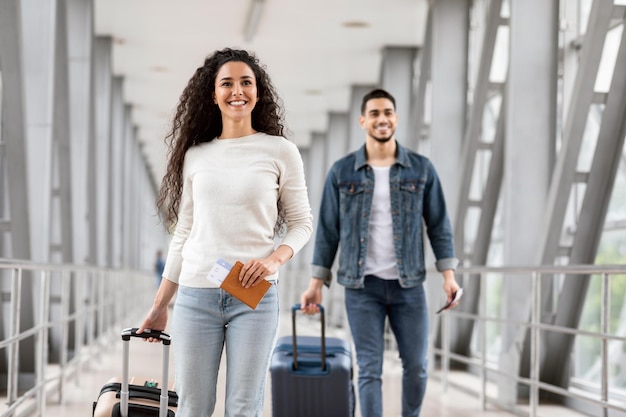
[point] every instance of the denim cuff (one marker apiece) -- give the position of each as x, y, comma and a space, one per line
320, 272
446, 263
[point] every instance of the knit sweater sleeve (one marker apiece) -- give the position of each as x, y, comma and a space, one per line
292, 192
174, 259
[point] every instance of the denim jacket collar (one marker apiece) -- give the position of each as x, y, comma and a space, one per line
402, 157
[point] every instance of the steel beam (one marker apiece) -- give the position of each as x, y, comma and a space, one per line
564, 173
605, 164
472, 139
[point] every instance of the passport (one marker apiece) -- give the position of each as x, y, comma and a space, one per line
250, 296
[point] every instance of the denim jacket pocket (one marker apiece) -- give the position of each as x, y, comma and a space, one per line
351, 198
411, 191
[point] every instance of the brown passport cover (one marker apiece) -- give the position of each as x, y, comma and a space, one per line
250, 296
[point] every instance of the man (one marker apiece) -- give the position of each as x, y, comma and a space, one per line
374, 203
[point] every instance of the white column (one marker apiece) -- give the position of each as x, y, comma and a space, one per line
356, 134
80, 45
396, 76
336, 137
38, 38
449, 91
100, 152
528, 157
116, 164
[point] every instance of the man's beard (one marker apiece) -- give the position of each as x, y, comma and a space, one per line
382, 140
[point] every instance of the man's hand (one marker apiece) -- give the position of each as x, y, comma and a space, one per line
312, 296
450, 286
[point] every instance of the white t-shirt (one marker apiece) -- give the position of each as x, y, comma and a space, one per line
228, 205
381, 257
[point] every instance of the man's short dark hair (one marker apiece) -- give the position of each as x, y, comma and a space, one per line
377, 93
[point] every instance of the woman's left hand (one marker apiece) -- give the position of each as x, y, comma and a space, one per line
256, 270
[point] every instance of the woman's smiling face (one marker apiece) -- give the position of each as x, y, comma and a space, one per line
235, 90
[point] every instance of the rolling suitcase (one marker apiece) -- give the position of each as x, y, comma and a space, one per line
311, 376
119, 398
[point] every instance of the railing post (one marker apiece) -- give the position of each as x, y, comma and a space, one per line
91, 309
101, 307
82, 319
66, 296
605, 329
482, 329
41, 343
14, 347
535, 337
445, 354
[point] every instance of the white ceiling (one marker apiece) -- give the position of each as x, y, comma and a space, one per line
312, 56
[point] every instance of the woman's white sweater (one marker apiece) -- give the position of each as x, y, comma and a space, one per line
228, 206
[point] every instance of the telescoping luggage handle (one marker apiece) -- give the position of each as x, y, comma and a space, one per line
124, 392
294, 309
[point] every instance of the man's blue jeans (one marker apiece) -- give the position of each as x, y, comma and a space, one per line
406, 309
207, 320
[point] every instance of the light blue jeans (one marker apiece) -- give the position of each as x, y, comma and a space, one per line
367, 309
205, 320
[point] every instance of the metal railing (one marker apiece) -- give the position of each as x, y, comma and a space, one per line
477, 380
478, 359
77, 310
74, 311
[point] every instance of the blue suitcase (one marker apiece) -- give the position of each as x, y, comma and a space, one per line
311, 376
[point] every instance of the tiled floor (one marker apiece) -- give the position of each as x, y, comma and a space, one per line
146, 361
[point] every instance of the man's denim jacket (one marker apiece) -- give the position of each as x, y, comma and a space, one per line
416, 199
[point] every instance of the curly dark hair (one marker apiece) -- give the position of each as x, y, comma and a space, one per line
198, 119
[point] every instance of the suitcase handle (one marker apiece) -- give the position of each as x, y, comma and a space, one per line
124, 391
294, 309
146, 334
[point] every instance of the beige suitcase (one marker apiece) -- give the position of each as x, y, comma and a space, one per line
135, 397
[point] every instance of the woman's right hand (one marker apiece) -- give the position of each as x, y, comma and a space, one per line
157, 316
155, 320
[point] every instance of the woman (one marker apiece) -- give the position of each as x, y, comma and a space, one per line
232, 183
